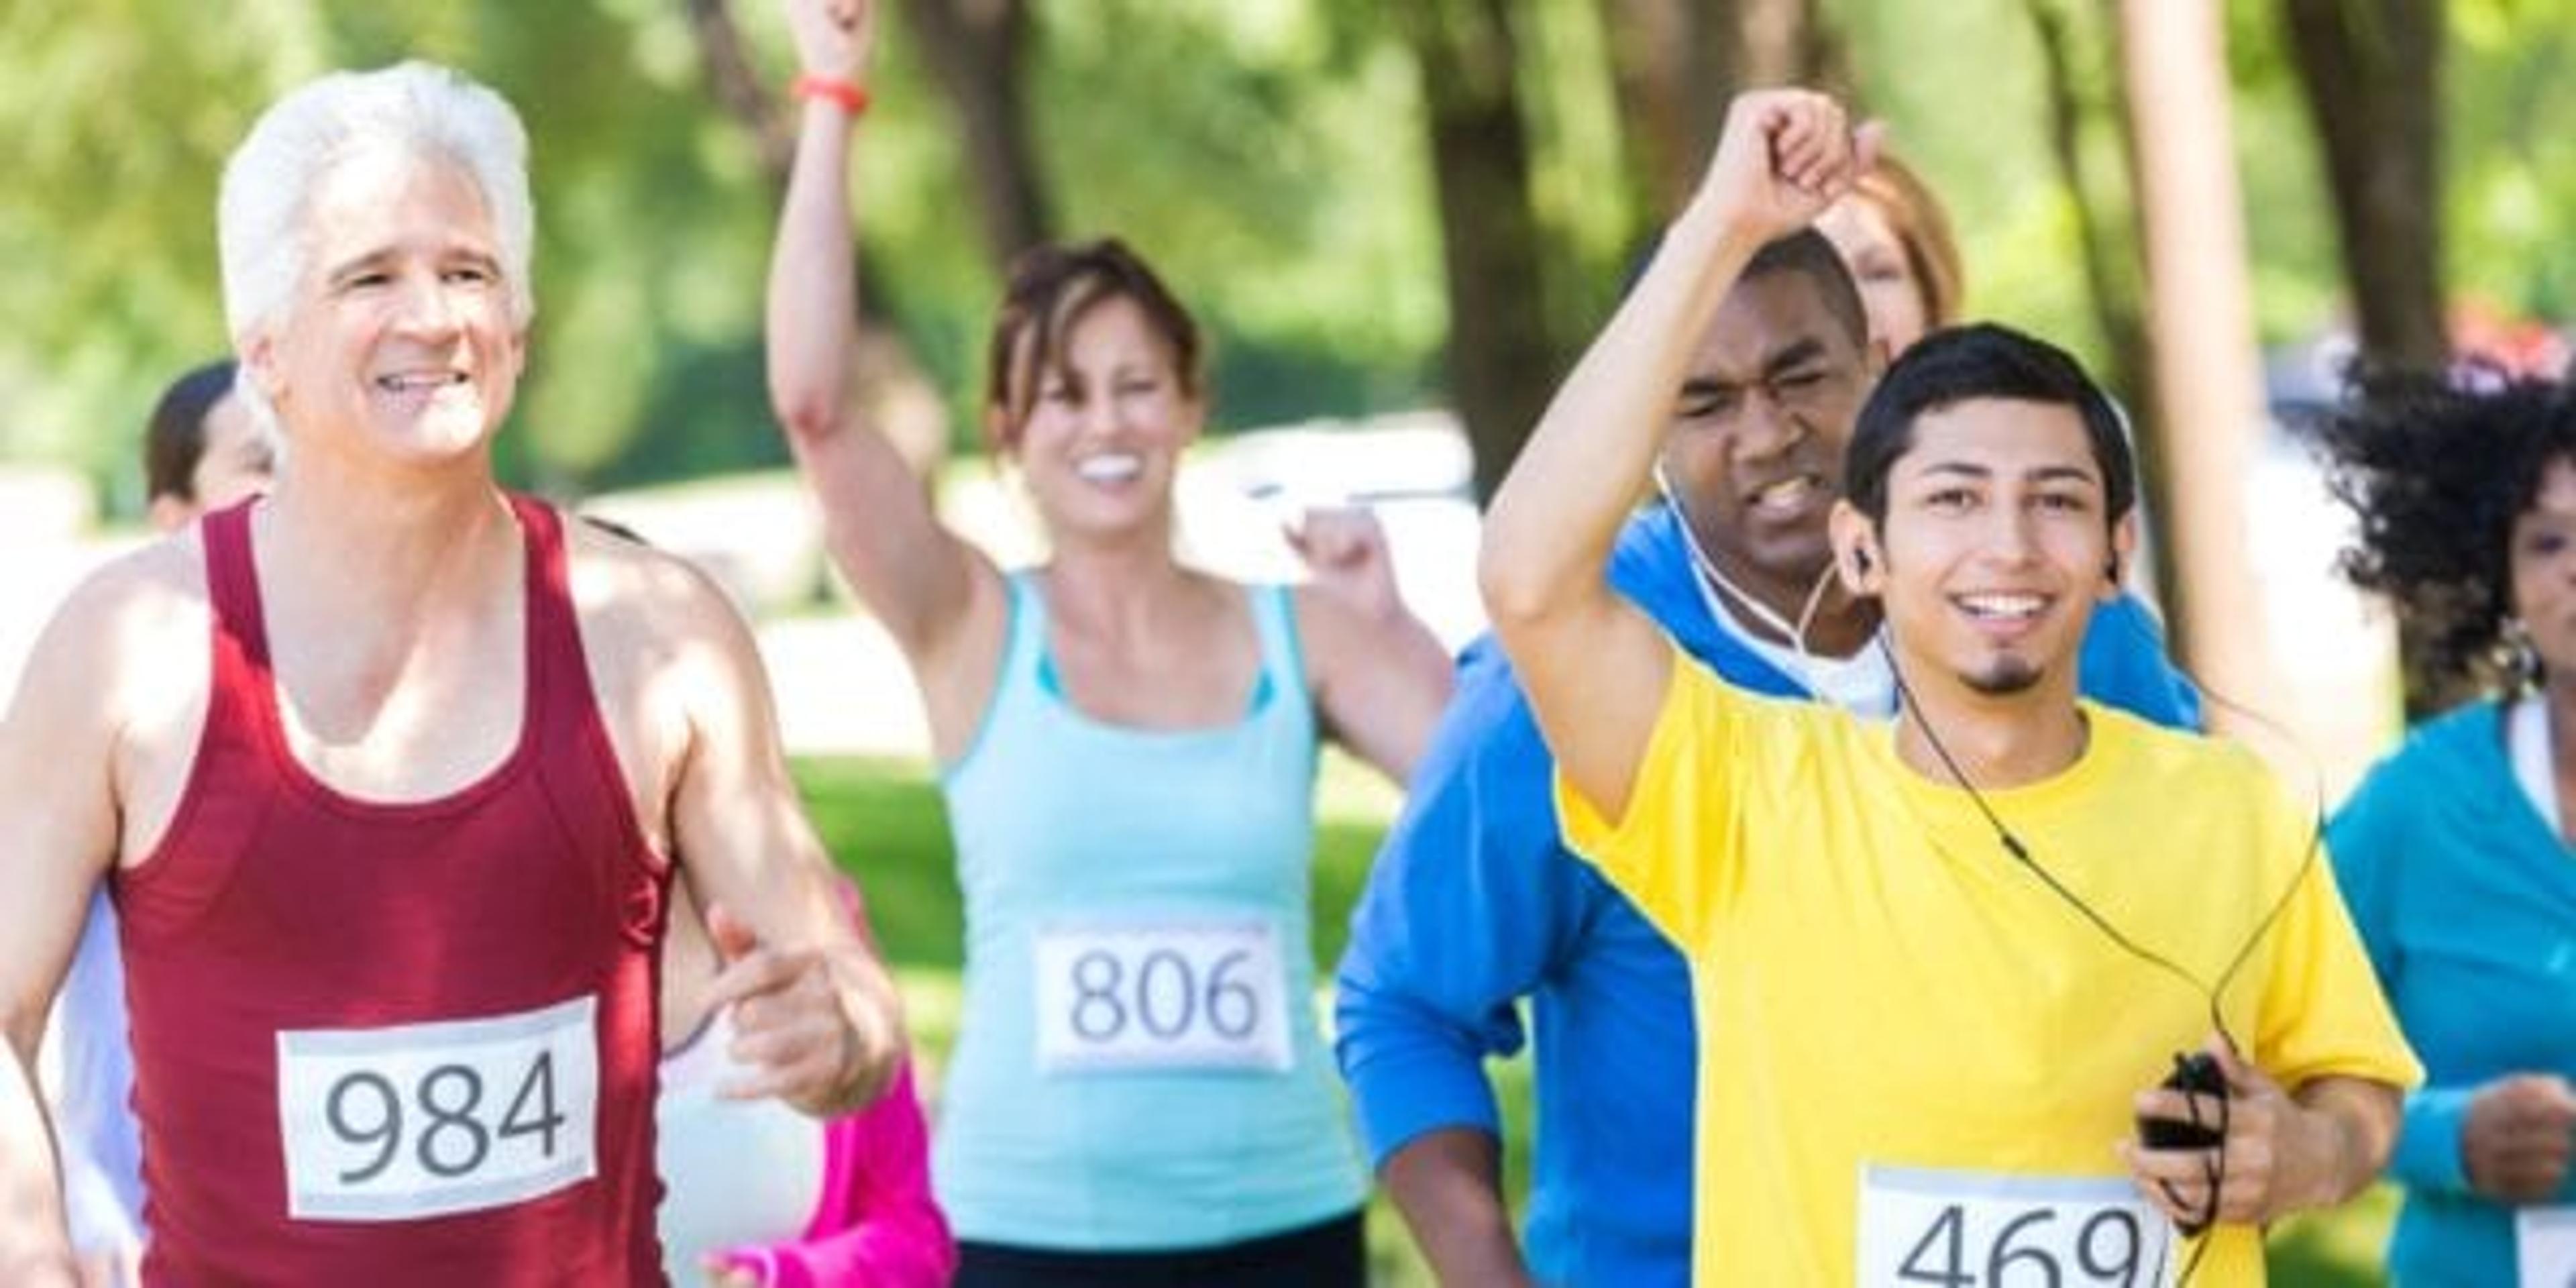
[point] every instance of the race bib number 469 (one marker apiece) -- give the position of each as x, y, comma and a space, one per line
422, 1120
1168, 995
1937, 1229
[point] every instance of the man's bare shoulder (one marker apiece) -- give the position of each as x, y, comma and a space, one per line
632, 594
130, 638
660, 634
132, 604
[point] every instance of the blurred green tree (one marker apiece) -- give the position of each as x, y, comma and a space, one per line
1280, 159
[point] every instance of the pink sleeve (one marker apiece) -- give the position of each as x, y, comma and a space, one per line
877, 1224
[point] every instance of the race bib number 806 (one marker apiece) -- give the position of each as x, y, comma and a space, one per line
1194, 995
421, 1120
1936, 1229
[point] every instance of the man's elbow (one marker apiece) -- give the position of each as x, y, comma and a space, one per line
1519, 591
2364, 1116
2382, 1108
806, 416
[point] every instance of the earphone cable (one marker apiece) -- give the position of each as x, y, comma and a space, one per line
2020, 853
2216, 1167
1794, 632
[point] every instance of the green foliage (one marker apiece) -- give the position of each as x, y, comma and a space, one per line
2511, 208
650, 216
1269, 161
116, 116
1268, 154
1271, 170
1961, 86
2289, 224
1581, 192
885, 825
1964, 95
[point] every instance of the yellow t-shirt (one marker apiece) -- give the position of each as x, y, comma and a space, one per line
1913, 1053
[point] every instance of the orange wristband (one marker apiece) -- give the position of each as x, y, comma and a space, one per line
851, 98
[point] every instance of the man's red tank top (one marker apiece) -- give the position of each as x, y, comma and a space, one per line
397, 1043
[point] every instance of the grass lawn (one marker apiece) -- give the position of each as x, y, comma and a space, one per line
884, 821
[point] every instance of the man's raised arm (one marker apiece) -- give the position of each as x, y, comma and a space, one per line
1594, 667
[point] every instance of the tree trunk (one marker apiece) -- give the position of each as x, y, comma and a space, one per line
1502, 361
1775, 42
2371, 71
1675, 63
1667, 74
887, 380
2105, 228
2201, 314
977, 51
739, 87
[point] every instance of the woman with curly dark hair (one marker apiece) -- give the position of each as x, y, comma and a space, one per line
2454, 853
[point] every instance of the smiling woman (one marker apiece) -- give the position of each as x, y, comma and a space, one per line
1139, 1093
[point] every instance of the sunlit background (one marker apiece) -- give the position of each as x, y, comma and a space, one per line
1276, 158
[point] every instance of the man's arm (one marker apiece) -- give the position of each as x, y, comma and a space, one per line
2328, 1032
1448, 1183
2349, 1126
2284, 1152
1595, 668
1468, 903
814, 1009
58, 837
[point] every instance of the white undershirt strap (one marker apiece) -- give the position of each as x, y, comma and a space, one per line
2527, 746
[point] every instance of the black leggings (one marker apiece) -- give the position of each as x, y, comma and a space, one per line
1329, 1254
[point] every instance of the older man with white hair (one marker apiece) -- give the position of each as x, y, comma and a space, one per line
389, 774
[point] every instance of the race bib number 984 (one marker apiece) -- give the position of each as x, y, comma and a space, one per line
1170, 995
422, 1120
1937, 1229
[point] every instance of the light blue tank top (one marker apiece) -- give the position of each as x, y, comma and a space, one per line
1138, 1065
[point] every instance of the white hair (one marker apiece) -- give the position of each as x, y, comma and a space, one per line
412, 109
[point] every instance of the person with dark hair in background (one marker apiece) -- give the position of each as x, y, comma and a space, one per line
1474, 904
203, 450
2454, 851
1936, 975
1139, 1094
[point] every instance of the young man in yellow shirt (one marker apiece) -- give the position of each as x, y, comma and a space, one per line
1943, 966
